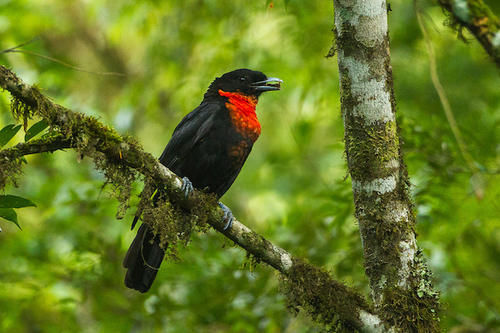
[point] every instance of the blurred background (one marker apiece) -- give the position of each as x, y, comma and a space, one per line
62, 272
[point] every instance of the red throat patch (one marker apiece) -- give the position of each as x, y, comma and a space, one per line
242, 112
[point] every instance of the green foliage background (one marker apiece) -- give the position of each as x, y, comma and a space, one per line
63, 272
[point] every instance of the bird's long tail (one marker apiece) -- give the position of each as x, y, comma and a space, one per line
143, 259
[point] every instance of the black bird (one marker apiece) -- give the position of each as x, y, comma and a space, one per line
207, 149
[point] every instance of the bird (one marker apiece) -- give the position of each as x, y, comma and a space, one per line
207, 150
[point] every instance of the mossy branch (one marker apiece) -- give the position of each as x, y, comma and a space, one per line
478, 18
307, 286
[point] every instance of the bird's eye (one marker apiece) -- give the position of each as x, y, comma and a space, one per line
242, 79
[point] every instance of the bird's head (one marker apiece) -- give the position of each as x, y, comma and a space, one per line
244, 81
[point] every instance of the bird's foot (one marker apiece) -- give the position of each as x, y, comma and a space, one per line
187, 187
228, 216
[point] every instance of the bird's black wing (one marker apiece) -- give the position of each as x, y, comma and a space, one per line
188, 133
190, 130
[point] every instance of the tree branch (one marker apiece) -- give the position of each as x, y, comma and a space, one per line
478, 18
306, 285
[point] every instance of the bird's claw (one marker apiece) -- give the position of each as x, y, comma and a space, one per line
187, 187
228, 216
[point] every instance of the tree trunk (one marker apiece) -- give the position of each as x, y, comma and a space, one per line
399, 279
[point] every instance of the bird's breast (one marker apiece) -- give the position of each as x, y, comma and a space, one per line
239, 152
242, 114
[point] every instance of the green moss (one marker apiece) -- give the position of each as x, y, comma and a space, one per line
327, 301
10, 169
381, 237
369, 148
409, 311
333, 48
12, 159
172, 224
251, 262
121, 179
168, 224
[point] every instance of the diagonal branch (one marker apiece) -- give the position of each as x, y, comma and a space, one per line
306, 285
478, 18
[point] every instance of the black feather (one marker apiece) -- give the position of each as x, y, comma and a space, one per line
143, 260
200, 149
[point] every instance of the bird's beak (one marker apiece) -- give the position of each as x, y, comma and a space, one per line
272, 83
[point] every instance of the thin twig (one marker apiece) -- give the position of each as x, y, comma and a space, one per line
442, 94
16, 49
20, 45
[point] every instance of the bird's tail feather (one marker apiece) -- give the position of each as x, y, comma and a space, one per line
143, 259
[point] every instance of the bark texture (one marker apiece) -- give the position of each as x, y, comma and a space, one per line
399, 279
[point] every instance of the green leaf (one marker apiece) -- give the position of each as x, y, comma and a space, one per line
8, 133
10, 215
13, 201
35, 129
